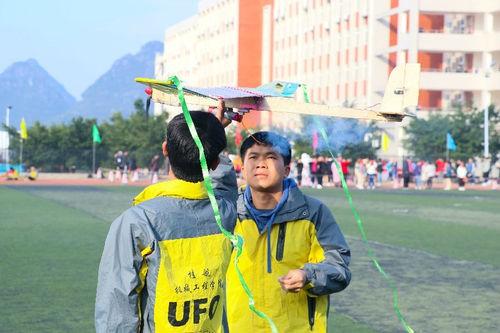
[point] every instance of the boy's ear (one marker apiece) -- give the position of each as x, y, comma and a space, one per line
287, 170
214, 164
164, 148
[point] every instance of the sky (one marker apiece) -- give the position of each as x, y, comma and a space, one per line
76, 41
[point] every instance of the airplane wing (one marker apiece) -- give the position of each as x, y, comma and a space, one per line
280, 96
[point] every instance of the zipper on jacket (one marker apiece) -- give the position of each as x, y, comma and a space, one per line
280, 248
311, 310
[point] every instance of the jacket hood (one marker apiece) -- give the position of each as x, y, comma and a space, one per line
173, 188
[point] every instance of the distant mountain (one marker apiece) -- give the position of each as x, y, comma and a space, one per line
33, 94
116, 89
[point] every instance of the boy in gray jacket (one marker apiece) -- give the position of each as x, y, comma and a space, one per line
164, 261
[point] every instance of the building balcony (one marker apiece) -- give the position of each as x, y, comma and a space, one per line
459, 6
447, 42
439, 80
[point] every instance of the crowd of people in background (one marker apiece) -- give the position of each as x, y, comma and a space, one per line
14, 174
126, 168
318, 171
365, 173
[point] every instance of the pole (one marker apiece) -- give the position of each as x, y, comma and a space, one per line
486, 132
93, 158
21, 157
7, 123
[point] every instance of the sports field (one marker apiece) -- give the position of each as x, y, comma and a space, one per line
441, 248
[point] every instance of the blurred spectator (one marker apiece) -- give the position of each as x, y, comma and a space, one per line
440, 168
133, 169
394, 174
329, 162
478, 169
448, 175
98, 173
428, 173
313, 166
417, 174
299, 167
321, 171
359, 174
344, 164
380, 170
154, 166
371, 170
495, 173
33, 175
335, 175
461, 175
406, 172
470, 170
12, 174
306, 172
486, 166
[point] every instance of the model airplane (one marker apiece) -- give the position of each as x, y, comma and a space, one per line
401, 93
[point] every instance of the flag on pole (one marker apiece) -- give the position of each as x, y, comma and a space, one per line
96, 137
24, 130
450, 143
385, 142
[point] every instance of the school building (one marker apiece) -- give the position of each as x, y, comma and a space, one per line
343, 50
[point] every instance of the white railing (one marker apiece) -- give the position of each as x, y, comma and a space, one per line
447, 42
459, 6
466, 31
460, 81
450, 70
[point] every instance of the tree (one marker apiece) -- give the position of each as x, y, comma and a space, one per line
359, 150
140, 135
61, 146
427, 137
468, 132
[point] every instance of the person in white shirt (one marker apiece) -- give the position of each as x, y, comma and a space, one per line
430, 171
371, 171
461, 175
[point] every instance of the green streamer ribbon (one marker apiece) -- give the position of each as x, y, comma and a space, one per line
236, 240
369, 249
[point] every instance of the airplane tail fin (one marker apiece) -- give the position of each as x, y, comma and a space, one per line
402, 89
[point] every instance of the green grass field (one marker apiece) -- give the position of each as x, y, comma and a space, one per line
441, 248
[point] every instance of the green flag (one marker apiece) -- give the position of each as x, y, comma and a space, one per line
96, 137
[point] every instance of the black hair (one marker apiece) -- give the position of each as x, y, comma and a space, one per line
183, 153
270, 139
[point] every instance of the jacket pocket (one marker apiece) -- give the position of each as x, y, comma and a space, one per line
280, 248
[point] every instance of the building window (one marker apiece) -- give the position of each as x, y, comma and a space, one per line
430, 99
